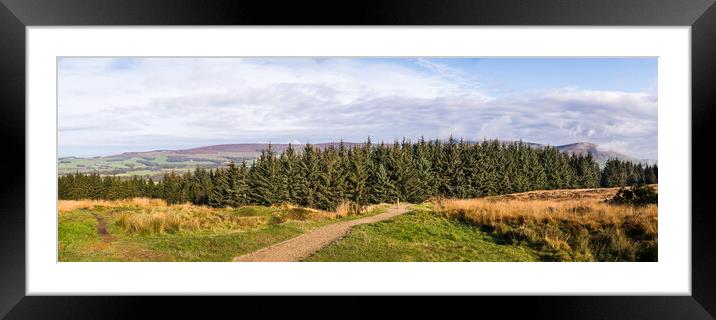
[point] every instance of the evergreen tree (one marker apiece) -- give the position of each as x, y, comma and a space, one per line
424, 177
172, 188
264, 179
357, 179
382, 188
292, 175
220, 190
488, 168
312, 174
327, 189
405, 171
406, 178
649, 175
453, 175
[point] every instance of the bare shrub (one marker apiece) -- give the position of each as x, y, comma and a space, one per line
637, 195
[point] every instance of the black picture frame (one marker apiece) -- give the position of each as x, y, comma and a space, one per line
15, 15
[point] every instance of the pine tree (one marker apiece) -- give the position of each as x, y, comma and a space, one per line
488, 167
406, 178
357, 179
587, 172
327, 190
505, 169
439, 167
552, 167
342, 173
382, 188
220, 190
264, 179
522, 168
614, 174
424, 178
312, 174
234, 193
649, 175
172, 190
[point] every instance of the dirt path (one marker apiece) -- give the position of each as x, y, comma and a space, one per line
102, 229
306, 244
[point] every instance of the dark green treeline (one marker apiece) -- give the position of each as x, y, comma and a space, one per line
370, 173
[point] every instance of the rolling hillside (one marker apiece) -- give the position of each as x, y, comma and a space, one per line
156, 162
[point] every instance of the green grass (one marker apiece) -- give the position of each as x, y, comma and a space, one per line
415, 236
76, 231
222, 246
79, 241
420, 235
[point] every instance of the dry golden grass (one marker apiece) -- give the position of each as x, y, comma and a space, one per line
69, 205
155, 216
344, 209
571, 224
591, 213
596, 194
141, 215
169, 219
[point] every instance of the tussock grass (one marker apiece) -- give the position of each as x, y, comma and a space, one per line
346, 208
155, 216
343, 209
64, 206
188, 217
149, 223
578, 228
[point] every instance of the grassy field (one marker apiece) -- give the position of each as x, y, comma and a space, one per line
556, 225
421, 235
151, 230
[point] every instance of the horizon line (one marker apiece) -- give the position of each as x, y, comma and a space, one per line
382, 141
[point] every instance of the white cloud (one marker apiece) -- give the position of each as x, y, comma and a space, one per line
166, 103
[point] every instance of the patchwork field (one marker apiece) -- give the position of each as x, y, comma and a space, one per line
157, 162
151, 164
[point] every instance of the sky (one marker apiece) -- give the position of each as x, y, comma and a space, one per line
113, 105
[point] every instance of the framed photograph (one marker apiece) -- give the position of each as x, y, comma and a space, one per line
451, 148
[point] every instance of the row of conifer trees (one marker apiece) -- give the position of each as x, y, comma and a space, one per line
369, 173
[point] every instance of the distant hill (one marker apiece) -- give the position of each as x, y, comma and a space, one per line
600, 156
156, 162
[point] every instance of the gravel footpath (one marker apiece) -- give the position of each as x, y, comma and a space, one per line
303, 246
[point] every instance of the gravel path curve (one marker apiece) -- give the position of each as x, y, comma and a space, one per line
303, 246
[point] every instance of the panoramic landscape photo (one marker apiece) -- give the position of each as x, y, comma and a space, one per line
357, 159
